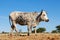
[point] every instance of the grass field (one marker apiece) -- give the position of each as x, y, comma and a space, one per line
39, 36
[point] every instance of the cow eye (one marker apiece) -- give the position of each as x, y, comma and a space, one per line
43, 14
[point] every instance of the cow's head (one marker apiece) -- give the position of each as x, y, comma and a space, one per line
43, 16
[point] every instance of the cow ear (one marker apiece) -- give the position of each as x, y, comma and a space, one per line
42, 10
35, 12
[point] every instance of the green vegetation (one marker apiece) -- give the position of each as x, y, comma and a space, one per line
57, 29
54, 31
40, 30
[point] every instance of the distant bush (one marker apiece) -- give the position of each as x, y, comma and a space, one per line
5, 32
40, 30
54, 31
58, 28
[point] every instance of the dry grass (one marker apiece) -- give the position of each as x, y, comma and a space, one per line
39, 36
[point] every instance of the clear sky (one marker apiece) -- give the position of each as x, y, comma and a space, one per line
51, 6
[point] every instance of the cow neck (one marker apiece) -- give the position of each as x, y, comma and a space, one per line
38, 19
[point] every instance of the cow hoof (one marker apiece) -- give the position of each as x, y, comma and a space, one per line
35, 34
10, 35
28, 34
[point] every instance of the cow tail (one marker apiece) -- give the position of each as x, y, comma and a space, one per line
10, 20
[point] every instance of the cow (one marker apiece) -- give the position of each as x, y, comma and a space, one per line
31, 19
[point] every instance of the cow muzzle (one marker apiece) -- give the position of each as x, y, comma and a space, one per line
47, 20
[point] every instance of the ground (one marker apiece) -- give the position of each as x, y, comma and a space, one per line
39, 36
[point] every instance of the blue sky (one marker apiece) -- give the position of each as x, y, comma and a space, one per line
51, 6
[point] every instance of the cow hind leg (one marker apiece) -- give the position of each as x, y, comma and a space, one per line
12, 28
16, 31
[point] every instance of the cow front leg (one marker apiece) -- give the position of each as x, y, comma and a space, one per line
29, 31
35, 30
29, 27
